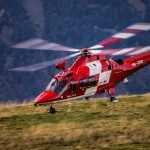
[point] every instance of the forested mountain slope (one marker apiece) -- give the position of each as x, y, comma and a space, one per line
73, 23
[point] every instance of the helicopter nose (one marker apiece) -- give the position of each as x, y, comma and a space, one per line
46, 97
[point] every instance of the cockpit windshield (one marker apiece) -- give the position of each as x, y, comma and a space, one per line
57, 86
52, 82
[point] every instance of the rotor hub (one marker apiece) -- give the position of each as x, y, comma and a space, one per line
85, 50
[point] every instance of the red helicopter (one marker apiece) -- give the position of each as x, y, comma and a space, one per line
92, 73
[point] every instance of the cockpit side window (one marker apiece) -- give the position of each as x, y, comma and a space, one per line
72, 86
59, 86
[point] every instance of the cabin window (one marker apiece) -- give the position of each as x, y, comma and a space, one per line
92, 81
72, 86
83, 83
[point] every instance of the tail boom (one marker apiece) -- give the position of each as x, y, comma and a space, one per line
128, 67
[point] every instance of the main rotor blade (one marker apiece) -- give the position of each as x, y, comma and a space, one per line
43, 65
40, 44
124, 34
123, 51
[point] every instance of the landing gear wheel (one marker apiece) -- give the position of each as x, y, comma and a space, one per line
113, 99
87, 98
52, 110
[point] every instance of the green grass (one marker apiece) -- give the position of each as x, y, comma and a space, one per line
86, 125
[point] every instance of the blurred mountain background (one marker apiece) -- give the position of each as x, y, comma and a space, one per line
74, 23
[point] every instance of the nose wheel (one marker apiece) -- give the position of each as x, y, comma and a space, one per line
52, 110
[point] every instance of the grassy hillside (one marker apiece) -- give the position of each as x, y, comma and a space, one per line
83, 125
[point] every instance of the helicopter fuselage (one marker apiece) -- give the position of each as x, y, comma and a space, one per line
91, 74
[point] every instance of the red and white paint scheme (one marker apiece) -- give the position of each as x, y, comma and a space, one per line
92, 73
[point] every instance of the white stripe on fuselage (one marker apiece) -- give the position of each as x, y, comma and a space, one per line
95, 67
104, 77
91, 90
